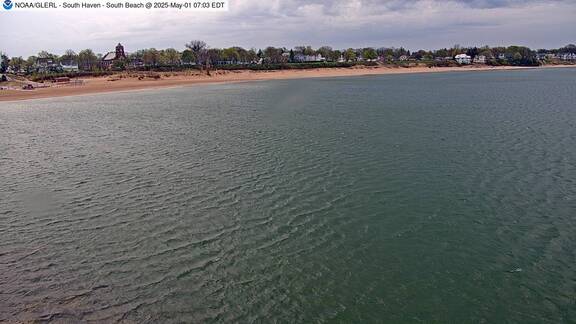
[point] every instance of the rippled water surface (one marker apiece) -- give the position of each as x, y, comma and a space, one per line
436, 198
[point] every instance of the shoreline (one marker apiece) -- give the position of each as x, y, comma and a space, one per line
124, 82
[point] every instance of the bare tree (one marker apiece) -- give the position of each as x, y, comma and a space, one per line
198, 48
196, 45
69, 57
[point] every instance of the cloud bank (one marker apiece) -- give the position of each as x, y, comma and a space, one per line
413, 24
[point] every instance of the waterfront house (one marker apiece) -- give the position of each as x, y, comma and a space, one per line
299, 57
46, 64
480, 59
12, 70
137, 63
69, 66
463, 59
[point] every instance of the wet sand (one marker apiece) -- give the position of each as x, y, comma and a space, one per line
130, 82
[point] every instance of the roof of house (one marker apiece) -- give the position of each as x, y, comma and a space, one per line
109, 57
44, 60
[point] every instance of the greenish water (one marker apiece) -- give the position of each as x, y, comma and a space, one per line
433, 198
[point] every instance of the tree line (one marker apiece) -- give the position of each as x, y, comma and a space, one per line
198, 53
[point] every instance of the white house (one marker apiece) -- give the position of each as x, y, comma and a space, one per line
69, 67
12, 70
44, 64
551, 56
480, 59
463, 59
308, 58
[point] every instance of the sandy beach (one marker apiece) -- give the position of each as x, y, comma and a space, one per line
140, 81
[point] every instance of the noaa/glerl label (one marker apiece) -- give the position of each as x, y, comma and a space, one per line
15, 5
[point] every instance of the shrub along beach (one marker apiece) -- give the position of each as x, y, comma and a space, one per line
48, 75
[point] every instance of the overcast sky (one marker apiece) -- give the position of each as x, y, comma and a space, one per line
414, 24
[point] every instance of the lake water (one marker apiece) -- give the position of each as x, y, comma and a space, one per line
425, 198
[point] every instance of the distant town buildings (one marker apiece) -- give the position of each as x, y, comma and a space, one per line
48, 64
238, 57
558, 56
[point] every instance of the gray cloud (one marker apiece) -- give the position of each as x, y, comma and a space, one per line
340, 23
503, 3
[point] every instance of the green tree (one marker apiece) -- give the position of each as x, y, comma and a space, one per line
188, 56
487, 52
305, 50
4, 62
17, 63
443, 52
335, 56
350, 55
119, 65
30, 64
47, 55
171, 56
87, 60
369, 54
455, 50
231, 55
151, 57
326, 52
398, 52
213, 56
243, 55
570, 48
252, 55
